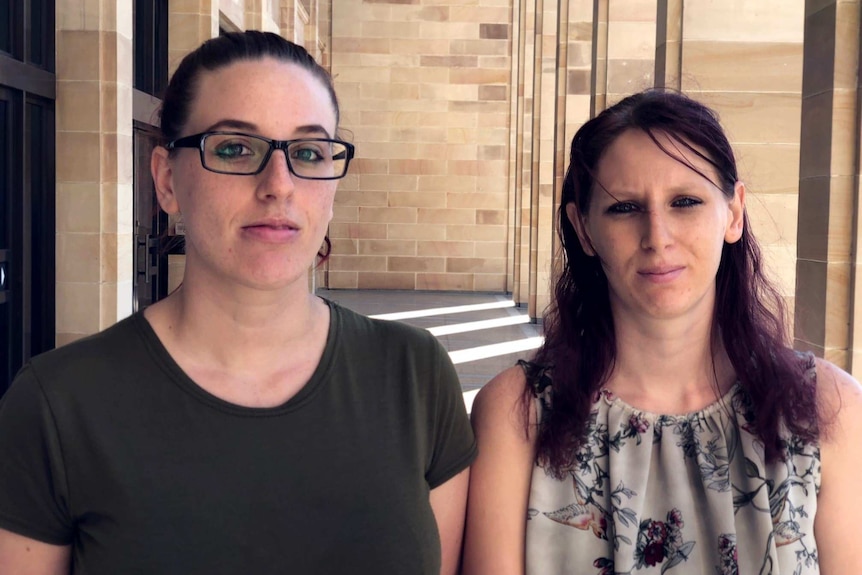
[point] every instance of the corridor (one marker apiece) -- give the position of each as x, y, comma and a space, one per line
483, 333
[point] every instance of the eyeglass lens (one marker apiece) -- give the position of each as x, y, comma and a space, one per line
244, 154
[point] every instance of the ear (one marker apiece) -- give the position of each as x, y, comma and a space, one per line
577, 222
736, 219
160, 168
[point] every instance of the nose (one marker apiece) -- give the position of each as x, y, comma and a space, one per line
657, 230
276, 181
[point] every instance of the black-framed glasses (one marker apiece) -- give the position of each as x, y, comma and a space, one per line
247, 155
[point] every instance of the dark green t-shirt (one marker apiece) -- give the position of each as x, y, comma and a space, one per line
105, 444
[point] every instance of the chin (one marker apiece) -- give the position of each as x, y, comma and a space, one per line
276, 281
671, 309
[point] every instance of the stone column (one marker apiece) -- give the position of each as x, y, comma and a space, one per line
746, 63
551, 85
254, 16
521, 94
668, 50
94, 167
630, 49
543, 165
828, 315
262, 15
192, 23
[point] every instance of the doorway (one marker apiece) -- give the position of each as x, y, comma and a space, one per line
27, 224
27, 176
150, 255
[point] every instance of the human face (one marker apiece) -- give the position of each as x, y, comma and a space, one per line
658, 227
263, 230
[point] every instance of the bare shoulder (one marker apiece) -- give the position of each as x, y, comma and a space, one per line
838, 503
502, 418
839, 395
501, 402
839, 398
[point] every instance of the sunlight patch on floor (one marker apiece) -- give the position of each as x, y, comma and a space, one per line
495, 349
444, 310
477, 325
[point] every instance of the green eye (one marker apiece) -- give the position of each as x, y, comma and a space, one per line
235, 149
232, 150
306, 154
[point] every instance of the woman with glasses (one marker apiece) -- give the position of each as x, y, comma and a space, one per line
241, 425
665, 425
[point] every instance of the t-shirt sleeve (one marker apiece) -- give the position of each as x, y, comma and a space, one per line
33, 498
453, 446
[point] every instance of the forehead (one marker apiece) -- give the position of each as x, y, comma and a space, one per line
275, 95
635, 159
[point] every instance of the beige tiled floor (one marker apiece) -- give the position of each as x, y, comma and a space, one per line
473, 373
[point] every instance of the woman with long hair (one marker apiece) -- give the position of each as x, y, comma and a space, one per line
665, 425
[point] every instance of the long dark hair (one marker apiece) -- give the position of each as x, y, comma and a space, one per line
580, 343
222, 51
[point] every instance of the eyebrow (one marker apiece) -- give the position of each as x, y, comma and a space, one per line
627, 194
229, 123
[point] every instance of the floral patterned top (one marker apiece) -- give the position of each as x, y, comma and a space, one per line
674, 493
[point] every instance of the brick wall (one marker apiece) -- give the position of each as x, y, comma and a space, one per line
424, 90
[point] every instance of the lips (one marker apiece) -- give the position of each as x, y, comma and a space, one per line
274, 223
661, 274
272, 230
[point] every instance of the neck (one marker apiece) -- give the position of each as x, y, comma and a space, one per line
236, 326
669, 366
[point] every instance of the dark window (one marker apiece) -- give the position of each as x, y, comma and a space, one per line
27, 174
40, 33
151, 46
27, 224
5, 254
39, 191
6, 27
11, 229
5, 110
27, 31
12, 28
